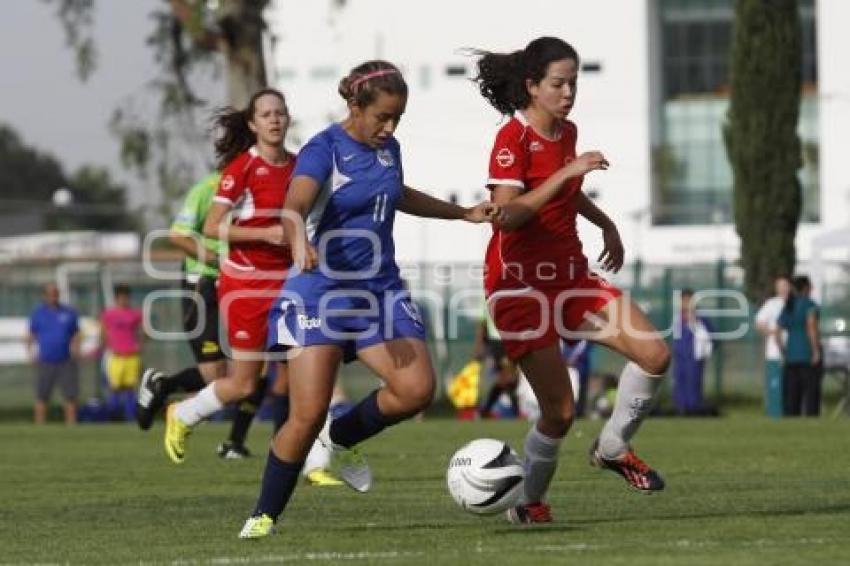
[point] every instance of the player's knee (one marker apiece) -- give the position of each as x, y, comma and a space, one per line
308, 422
420, 395
558, 418
655, 358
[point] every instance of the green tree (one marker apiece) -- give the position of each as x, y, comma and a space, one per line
191, 40
29, 179
761, 138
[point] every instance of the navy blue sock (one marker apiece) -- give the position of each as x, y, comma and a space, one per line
279, 481
280, 410
363, 421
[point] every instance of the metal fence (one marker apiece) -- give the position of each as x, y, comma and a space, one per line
450, 297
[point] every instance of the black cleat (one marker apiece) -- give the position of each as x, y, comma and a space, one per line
634, 470
230, 451
150, 398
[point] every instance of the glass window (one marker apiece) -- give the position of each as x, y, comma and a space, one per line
692, 176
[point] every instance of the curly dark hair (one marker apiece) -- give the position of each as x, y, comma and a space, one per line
501, 76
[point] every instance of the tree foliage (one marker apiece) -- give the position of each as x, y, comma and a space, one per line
761, 138
191, 40
30, 177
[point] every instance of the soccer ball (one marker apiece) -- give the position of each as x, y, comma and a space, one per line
485, 477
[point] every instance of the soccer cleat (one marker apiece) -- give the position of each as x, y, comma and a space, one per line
529, 514
322, 478
350, 464
634, 470
149, 398
230, 451
257, 527
176, 433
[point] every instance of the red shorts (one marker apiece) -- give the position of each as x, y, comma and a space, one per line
244, 305
530, 319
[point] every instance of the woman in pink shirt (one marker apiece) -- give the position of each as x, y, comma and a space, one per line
120, 336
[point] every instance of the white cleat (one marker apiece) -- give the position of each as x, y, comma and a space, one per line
351, 466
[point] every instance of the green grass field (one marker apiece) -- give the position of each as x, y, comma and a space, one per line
741, 490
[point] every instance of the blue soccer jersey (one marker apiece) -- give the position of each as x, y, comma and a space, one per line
351, 225
351, 221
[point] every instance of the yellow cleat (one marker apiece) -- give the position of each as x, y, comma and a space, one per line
257, 527
323, 478
175, 436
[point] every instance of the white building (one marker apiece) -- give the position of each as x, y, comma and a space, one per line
651, 97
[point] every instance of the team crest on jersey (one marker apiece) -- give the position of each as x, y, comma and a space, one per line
227, 182
535, 145
505, 158
262, 170
385, 157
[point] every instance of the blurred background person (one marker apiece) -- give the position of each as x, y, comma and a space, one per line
199, 305
53, 346
803, 362
692, 347
767, 323
121, 339
576, 355
489, 349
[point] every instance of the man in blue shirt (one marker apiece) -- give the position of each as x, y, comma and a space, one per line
54, 329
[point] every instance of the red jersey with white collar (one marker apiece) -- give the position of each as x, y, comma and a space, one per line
256, 189
546, 251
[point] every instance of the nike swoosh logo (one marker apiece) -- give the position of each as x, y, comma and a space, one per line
348, 157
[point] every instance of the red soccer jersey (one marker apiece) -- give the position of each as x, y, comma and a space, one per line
256, 189
546, 251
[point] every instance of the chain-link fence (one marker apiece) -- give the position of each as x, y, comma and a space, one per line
449, 296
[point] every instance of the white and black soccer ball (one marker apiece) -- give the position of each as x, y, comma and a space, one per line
485, 477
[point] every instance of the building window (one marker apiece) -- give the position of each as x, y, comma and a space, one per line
692, 181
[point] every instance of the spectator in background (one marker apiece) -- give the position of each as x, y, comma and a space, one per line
55, 329
121, 339
802, 353
577, 357
488, 344
767, 323
692, 346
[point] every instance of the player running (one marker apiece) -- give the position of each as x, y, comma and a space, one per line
255, 174
349, 301
538, 282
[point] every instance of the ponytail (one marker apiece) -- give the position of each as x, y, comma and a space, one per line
234, 133
502, 77
500, 80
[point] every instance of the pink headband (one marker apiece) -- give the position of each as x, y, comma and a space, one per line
374, 74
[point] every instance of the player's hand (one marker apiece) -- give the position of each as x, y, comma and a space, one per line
305, 257
587, 162
613, 254
274, 235
483, 212
815, 357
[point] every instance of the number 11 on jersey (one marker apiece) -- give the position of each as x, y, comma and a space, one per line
380, 212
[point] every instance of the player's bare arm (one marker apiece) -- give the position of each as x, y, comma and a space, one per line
417, 203
613, 253
518, 207
299, 200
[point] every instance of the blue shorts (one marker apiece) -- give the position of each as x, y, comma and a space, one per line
352, 320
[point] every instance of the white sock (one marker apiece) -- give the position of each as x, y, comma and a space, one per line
319, 458
541, 459
635, 395
195, 409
